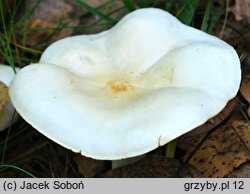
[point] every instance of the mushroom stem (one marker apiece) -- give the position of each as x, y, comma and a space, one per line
7, 116
126, 161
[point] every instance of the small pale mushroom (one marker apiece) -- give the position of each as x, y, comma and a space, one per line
125, 91
6, 107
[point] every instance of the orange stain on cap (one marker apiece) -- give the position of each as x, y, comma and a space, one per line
119, 87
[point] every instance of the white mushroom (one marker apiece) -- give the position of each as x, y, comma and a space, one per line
6, 107
130, 89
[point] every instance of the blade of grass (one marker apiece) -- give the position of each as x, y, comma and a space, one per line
150, 3
4, 51
169, 5
243, 56
7, 33
49, 36
206, 16
95, 11
7, 48
16, 140
129, 4
171, 147
65, 27
30, 50
17, 168
28, 13
6, 139
215, 18
16, 50
24, 21
225, 20
187, 11
243, 112
92, 25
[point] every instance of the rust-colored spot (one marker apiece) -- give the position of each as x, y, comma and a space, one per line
119, 87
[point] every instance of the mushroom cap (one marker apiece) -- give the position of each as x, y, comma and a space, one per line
130, 89
6, 74
6, 107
